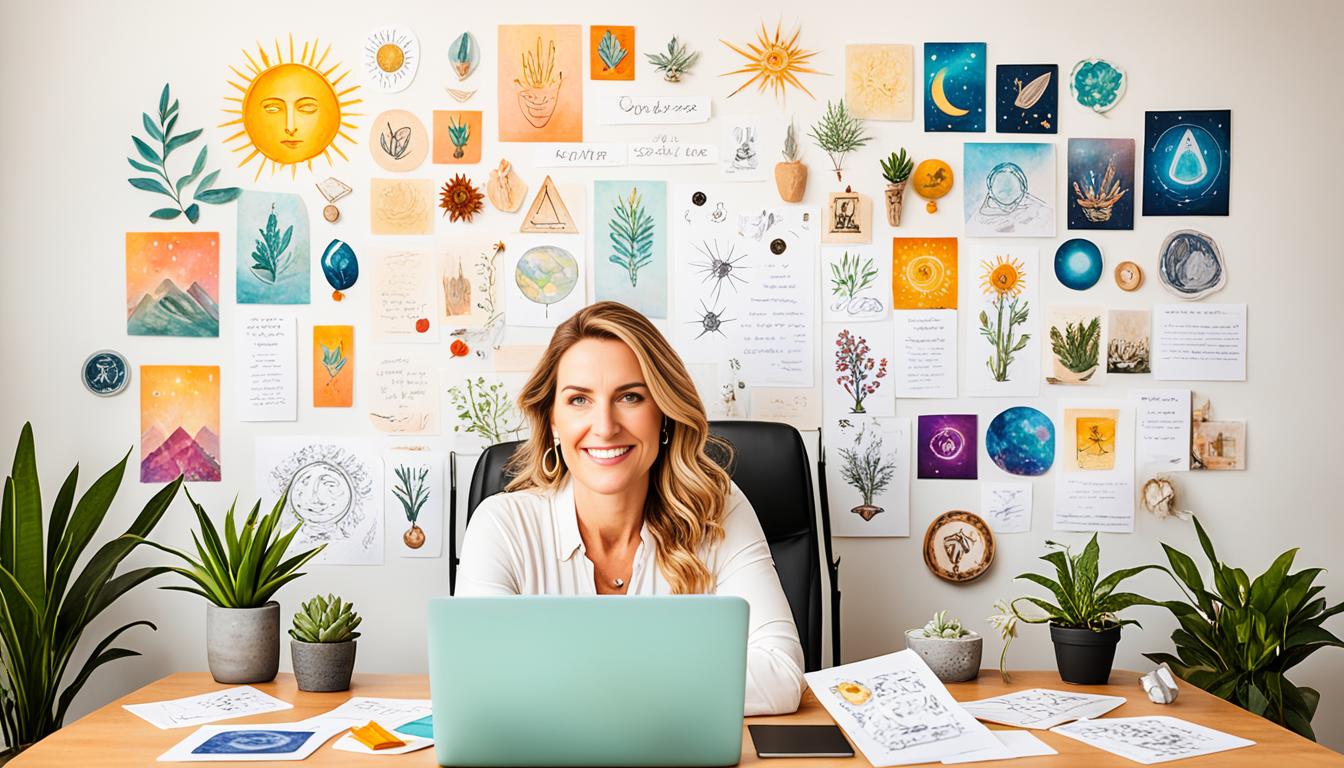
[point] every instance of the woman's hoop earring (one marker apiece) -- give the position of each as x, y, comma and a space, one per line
666, 437
554, 450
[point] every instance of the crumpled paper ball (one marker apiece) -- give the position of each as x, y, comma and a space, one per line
1160, 685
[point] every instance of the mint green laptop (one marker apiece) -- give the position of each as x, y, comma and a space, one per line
559, 681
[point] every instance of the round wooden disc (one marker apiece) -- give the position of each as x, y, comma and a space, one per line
331, 213
958, 546
1128, 276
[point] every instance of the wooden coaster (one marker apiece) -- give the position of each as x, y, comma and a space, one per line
958, 546
1128, 276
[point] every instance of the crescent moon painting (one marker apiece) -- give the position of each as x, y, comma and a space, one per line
954, 87
1026, 98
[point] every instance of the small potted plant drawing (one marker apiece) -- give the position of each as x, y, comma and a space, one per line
1083, 623
791, 175
271, 255
951, 651
860, 374
412, 491
896, 170
322, 644
485, 410
676, 62
1076, 350
848, 279
838, 133
459, 134
237, 574
867, 473
631, 235
539, 85
1098, 199
1003, 279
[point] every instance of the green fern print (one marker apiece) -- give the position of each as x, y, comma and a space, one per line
269, 256
631, 235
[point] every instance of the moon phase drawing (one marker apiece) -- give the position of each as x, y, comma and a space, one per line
940, 97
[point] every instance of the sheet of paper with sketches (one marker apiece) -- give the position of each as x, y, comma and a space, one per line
896, 711
1153, 739
242, 701
1011, 744
1041, 707
250, 743
389, 713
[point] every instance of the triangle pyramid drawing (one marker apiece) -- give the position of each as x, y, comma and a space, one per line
548, 212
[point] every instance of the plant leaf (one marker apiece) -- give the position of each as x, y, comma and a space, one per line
149, 185
166, 213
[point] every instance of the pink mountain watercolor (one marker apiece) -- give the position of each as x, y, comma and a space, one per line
180, 455
209, 442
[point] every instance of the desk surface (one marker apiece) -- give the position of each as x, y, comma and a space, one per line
113, 737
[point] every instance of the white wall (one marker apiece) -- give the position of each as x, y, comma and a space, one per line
77, 75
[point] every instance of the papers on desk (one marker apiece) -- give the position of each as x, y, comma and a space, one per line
1011, 744
897, 712
408, 718
242, 701
250, 743
1041, 707
1150, 740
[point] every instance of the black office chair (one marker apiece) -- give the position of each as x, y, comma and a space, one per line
770, 465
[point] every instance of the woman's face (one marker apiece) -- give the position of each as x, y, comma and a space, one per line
608, 425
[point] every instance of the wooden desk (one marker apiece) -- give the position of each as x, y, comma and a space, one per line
113, 737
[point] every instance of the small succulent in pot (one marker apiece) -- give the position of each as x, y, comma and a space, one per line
791, 175
951, 651
896, 170
323, 645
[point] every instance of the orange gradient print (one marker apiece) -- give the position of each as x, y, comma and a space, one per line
333, 366
179, 423
540, 82
172, 283
924, 272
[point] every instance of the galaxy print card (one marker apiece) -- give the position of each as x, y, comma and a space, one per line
251, 743
1026, 98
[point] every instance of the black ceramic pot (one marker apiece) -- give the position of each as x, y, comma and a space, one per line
1084, 657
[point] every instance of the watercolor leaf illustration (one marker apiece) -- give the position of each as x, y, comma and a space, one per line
676, 62
610, 50
1078, 346
485, 410
851, 276
411, 490
333, 360
396, 143
269, 256
154, 152
631, 235
459, 134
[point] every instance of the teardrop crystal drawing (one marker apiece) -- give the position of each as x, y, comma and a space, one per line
1188, 166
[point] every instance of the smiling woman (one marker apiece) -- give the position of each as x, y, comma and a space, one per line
615, 494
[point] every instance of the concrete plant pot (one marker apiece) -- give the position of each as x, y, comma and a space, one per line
243, 644
322, 667
953, 660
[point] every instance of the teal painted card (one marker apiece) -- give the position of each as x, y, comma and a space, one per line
273, 249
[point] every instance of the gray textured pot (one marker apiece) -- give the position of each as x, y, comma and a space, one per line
323, 666
243, 644
952, 660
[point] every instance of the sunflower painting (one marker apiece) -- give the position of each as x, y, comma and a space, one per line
1002, 337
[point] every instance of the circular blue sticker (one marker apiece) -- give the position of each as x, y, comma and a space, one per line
106, 373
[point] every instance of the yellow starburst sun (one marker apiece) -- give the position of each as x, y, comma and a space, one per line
291, 109
1003, 276
773, 62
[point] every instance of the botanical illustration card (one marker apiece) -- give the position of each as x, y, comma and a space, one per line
179, 423
333, 366
172, 283
1128, 341
415, 500
868, 476
611, 52
457, 136
630, 244
1073, 352
273, 249
1002, 345
857, 281
481, 407
856, 370
540, 86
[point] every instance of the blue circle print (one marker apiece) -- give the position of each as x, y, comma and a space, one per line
1078, 264
1021, 440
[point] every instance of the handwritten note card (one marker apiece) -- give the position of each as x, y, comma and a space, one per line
926, 353
266, 348
573, 155
664, 150
1199, 342
777, 342
1162, 430
1094, 483
405, 306
405, 397
624, 109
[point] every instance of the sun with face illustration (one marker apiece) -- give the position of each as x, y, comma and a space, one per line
291, 110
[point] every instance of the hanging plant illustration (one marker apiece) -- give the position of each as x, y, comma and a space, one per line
860, 374
412, 491
631, 235
1003, 279
867, 473
610, 50
333, 360
270, 256
485, 410
155, 162
459, 134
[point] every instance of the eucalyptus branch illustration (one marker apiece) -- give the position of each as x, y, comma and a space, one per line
155, 162
610, 50
269, 255
838, 132
459, 134
485, 410
851, 276
631, 235
413, 492
867, 473
860, 374
333, 360
1004, 279
396, 143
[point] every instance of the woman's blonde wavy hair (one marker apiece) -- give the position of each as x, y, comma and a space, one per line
688, 490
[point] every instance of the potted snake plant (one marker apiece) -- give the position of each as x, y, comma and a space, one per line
237, 574
323, 644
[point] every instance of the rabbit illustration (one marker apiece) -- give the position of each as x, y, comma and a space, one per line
744, 157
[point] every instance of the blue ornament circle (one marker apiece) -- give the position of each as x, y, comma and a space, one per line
106, 373
1078, 264
1021, 441
340, 265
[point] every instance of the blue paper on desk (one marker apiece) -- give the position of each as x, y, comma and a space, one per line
423, 728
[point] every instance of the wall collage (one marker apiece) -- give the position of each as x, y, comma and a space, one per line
781, 310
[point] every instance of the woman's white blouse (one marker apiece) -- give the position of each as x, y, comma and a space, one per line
528, 543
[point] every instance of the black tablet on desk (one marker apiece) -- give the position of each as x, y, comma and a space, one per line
799, 741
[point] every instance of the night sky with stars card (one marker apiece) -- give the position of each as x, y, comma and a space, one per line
954, 87
1101, 184
1187, 162
1027, 98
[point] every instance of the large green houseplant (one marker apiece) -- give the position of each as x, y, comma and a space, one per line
43, 614
237, 574
1084, 625
1239, 640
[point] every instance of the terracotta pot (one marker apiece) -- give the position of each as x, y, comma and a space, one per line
895, 197
791, 178
867, 511
414, 538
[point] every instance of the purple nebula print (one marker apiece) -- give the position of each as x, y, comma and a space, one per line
947, 447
